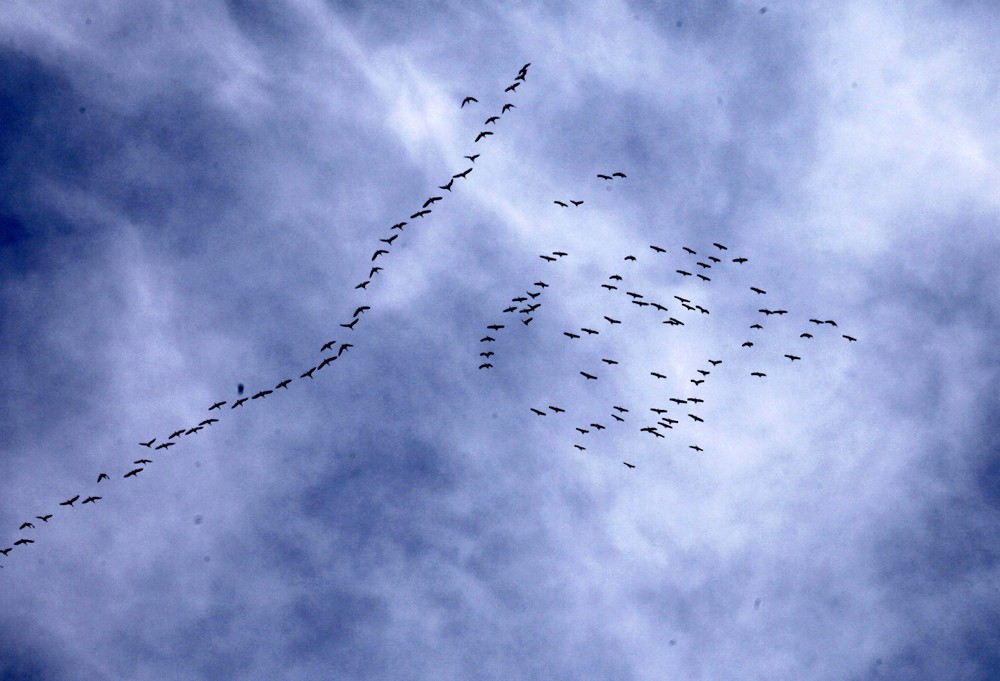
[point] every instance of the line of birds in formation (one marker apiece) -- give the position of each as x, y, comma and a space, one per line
328, 346
638, 299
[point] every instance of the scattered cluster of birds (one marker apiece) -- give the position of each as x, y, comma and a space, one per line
681, 311
382, 250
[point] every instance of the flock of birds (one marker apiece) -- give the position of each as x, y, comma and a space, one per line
700, 268
381, 250
683, 310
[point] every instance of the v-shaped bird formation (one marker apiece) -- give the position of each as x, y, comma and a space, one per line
381, 253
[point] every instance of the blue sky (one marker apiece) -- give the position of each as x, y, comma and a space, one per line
192, 192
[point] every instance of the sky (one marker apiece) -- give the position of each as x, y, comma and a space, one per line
192, 193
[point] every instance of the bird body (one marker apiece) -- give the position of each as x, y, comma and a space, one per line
468, 100
240, 401
133, 473
217, 405
589, 377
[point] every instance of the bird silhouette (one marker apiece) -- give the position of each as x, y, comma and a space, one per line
464, 174
240, 401
850, 338
102, 476
486, 365
527, 321
7, 550
686, 274
581, 448
678, 400
756, 326
697, 382
758, 374
610, 287
468, 100
549, 258
557, 410
618, 418
697, 419
343, 348
217, 405
448, 185
21, 542
653, 373
715, 362
487, 339
283, 384
583, 431
618, 174
262, 393
133, 473
328, 346
541, 284
506, 107
597, 426
148, 444
658, 249
704, 265
491, 119
326, 361
604, 177
609, 361
830, 322
690, 250
430, 201
399, 226
703, 277
538, 411
739, 260
747, 344
418, 214
24, 525
588, 376
758, 291
697, 400
590, 332
44, 518
69, 502
91, 500
512, 308
192, 431
632, 294
471, 158
805, 335
570, 335
622, 410
487, 355
351, 324
484, 133
361, 309
560, 203
208, 422
630, 465
176, 434
166, 445
630, 257
792, 357
576, 203
141, 462
511, 88
612, 321
561, 254
695, 448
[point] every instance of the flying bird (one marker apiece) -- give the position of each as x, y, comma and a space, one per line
576, 203
141, 462
506, 107
686, 274
653, 373
166, 445
446, 186
240, 401
44, 518
491, 119
630, 257
696, 448
618, 418
262, 393
148, 444
468, 100
7, 550
557, 410
560, 203
484, 133
677, 400
361, 309
830, 322
418, 214
630, 465
343, 347
69, 502
192, 431
758, 374
658, 249
512, 88
176, 434
590, 332
527, 321
208, 422
547, 257
351, 324
570, 335
612, 321
756, 326
102, 476
609, 361
697, 381
597, 426
486, 365
487, 355
283, 384
471, 158
583, 431
623, 410
133, 473
697, 419
618, 174
703, 372
758, 291
19, 542
428, 202
24, 525
541, 284
696, 400
604, 177
657, 410
217, 405
850, 338
495, 327
487, 339
739, 260
632, 294
538, 411
91, 500
588, 376
805, 335
581, 448
703, 277
560, 253
690, 250
715, 362
328, 346
610, 287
